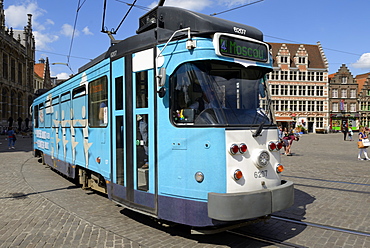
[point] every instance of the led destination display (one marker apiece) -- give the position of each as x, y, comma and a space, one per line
239, 48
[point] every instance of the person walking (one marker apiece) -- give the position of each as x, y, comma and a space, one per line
362, 151
350, 134
11, 138
345, 131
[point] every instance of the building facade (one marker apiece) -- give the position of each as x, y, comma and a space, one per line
299, 86
16, 73
343, 90
363, 82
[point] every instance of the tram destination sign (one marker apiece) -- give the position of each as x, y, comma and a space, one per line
240, 48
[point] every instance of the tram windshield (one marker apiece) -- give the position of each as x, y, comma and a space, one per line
219, 93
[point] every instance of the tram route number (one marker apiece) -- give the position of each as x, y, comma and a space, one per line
260, 174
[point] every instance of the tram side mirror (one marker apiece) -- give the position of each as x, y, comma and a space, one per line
162, 77
161, 92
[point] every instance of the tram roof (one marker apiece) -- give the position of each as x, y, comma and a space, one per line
172, 18
160, 23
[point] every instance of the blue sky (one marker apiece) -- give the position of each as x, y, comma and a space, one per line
342, 26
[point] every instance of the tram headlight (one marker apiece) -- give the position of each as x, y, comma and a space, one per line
199, 177
261, 158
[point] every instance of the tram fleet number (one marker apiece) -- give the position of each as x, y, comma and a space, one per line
260, 174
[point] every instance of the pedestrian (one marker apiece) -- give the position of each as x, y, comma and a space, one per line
11, 138
10, 121
350, 134
362, 150
345, 131
291, 137
26, 121
19, 123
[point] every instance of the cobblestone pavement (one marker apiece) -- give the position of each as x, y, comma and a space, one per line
40, 208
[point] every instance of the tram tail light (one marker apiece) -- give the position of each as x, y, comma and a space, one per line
279, 168
238, 174
234, 149
279, 145
272, 146
241, 148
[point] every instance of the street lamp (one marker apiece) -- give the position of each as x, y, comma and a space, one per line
63, 64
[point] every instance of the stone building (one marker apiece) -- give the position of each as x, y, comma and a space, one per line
299, 86
363, 82
343, 105
16, 73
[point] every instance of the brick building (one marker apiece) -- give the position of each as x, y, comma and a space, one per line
16, 73
299, 86
363, 82
343, 105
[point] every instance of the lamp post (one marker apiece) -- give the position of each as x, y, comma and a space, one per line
58, 63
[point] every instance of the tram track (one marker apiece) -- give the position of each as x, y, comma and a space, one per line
282, 243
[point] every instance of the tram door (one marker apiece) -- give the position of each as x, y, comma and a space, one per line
134, 123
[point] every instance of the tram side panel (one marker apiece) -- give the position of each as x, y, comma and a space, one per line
71, 139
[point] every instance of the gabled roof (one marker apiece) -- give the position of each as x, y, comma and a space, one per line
39, 69
315, 58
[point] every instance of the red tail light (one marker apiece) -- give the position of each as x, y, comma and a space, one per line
279, 145
272, 146
234, 149
243, 148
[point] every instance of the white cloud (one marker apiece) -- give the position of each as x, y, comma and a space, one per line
363, 62
87, 31
62, 75
67, 30
16, 15
42, 40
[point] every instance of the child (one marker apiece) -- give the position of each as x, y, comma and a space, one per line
350, 134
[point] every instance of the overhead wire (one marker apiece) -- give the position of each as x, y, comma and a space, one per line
241, 6
79, 6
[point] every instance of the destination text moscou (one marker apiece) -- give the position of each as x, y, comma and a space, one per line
243, 49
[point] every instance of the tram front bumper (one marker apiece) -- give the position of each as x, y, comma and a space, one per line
241, 206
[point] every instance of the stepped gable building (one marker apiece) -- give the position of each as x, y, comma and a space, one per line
299, 86
42, 79
343, 104
17, 53
363, 82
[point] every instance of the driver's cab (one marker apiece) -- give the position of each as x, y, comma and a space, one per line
216, 93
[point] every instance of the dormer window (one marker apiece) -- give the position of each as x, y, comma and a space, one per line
301, 60
284, 59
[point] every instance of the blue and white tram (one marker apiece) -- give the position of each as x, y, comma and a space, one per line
173, 122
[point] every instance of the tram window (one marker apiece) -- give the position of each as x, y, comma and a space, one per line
41, 115
79, 106
142, 151
141, 89
55, 104
48, 111
119, 93
216, 93
36, 116
98, 102
65, 108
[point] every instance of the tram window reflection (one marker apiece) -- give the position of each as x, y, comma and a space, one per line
98, 102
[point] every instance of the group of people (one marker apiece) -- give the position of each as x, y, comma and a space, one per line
11, 131
287, 137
